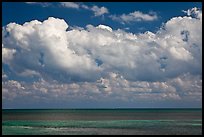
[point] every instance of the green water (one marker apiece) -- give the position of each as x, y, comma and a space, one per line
102, 122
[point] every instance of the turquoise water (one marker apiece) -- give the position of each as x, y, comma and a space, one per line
99, 122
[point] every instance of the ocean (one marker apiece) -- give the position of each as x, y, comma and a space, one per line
102, 121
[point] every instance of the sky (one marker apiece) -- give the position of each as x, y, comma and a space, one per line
101, 55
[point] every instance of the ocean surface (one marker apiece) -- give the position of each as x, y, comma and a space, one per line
102, 121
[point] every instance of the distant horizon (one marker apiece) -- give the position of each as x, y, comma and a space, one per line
104, 108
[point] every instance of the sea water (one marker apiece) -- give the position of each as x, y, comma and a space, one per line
102, 122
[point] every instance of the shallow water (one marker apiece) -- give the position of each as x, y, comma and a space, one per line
102, 122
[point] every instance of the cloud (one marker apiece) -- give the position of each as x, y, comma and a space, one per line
7, 54
135, 17
114, 88
73, 5
101, 64
27, 73
50, 48
194, 12
104, 27
43, 55
99, 11
4, 76
43, 4
84, 6
12, 89
31, 2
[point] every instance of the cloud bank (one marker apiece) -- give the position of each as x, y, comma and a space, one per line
99, 62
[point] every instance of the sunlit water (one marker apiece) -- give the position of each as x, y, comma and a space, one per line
102, 122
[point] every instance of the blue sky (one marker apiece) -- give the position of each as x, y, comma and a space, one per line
101, 54
20, 12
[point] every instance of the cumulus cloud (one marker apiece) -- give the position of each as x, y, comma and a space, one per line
134, 17
100, 63
43, 55
49, 46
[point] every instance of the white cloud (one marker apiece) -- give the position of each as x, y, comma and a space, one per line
184, 88
98, 11
100, 63
4, 76
70, 5
194, 12
134, 17
43, 4
48, 46
105, 27
84, 6
12, 89
7, 54
177, 53
31, 2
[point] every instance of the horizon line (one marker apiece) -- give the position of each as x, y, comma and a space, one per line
103, 108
